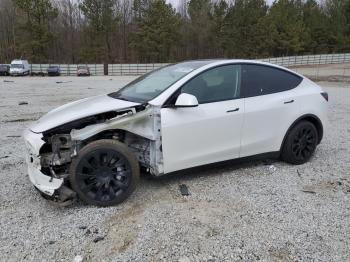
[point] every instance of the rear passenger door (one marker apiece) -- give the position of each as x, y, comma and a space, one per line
270, 107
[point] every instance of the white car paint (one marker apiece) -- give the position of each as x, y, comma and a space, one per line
78, 110
19, 67
186, 100
43, 182
266, 121
200, 135
185, 137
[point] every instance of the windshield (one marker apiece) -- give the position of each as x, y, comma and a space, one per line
20, 66
82, 67
150, 85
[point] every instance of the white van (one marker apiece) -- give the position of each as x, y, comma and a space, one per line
19, 67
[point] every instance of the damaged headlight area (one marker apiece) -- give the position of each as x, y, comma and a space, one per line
59, 148
54, 154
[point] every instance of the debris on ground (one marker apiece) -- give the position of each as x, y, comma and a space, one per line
272, 169
98, 239
51, 242
4, 157
82, 227
8, 81
19, 120
63, 82
308, 191
22, 103
184, 190
78, 258
13, 136
299, 174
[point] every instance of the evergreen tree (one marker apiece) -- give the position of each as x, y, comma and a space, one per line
242, 28
199, 35
218, 27
34, 34
157, 32
101, 20
286, 28
315, 21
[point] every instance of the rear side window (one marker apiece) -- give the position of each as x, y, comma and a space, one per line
263, 80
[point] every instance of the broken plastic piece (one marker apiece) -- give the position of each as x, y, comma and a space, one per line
184, 190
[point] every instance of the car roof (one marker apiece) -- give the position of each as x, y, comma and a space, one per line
227, 61
217, 62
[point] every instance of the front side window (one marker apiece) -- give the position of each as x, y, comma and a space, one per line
263, 80
217, 84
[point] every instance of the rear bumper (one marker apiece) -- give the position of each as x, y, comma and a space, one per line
44, 183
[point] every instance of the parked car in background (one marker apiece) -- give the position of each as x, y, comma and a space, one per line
19, 67
83, 70
177, 117
54, 71
4, 70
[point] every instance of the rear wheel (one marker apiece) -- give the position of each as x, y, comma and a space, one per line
104, 173
300, 143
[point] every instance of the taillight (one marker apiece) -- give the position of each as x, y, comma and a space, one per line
325, 95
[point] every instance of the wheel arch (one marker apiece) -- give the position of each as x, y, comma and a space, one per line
112, 133
312, 119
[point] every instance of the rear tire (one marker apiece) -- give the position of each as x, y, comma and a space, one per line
104, 173
300, 143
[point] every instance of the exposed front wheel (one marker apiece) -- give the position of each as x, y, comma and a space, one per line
104, 173
300, 143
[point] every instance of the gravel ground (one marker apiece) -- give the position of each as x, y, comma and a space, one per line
252, 211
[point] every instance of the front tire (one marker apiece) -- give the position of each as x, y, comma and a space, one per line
300, 143
104, 173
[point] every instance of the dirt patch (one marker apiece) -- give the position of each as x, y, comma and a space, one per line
328, 186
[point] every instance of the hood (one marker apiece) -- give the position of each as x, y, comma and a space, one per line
78, 110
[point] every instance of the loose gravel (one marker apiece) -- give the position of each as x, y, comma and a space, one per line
264, 210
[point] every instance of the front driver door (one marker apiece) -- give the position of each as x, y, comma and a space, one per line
210, 132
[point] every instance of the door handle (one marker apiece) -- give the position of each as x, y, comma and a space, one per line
289, 102
233, 110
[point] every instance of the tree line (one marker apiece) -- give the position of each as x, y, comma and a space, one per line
146, 31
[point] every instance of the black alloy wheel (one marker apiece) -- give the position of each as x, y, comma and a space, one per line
104, 173
300, 143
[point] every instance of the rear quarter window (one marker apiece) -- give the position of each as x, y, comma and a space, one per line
263, 80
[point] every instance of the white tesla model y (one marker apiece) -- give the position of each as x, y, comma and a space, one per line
177, 117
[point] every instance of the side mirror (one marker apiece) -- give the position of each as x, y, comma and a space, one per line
186, 100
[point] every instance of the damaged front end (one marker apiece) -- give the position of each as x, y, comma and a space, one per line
50, 153
51, 186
